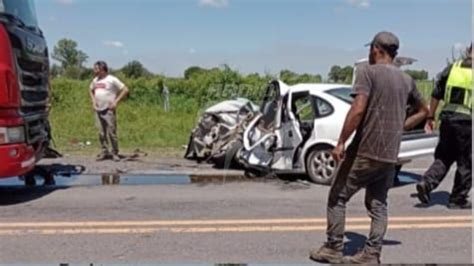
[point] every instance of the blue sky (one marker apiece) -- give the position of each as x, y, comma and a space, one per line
263, 36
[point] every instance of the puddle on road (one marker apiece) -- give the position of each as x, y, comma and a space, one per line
98, 180
154, 179
123, 179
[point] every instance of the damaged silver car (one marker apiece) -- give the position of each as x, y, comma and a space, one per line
218, 134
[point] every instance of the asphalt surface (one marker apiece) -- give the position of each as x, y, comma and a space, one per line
224, 221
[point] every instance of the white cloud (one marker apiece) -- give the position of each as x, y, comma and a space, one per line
64, 2
214, 3
359, 3
52, 19
116, 44
192, 51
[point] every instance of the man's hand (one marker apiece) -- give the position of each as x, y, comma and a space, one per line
94, 106
429, 126
112, 106
338, 152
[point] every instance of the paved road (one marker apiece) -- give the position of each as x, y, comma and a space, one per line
269, 221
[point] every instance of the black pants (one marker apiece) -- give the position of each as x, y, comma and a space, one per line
355, 174
454, 145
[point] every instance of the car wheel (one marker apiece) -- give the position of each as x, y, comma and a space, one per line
321, 166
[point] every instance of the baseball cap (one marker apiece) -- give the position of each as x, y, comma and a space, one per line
386, 41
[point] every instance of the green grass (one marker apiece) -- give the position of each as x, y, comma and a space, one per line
140, 126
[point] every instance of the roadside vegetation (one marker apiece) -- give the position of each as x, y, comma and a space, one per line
142, 122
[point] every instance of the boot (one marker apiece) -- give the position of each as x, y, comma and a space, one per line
326, 254
364, 256
423, 192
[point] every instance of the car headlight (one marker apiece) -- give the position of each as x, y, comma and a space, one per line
9, 135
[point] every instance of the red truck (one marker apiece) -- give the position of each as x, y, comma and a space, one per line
24, 89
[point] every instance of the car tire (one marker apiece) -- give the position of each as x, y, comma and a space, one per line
320, 165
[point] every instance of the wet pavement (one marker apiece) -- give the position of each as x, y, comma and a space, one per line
76, 180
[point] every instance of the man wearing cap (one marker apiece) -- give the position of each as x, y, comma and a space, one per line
454, 87
378, 117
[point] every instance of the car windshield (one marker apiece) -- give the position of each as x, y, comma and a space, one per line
24, 10
342, 94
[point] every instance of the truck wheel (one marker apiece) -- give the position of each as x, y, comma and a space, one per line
320, 165
30, 180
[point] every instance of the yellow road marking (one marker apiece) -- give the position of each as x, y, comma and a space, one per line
467, 218
228, 229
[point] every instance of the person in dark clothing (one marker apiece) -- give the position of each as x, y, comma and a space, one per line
378, 115
454, 87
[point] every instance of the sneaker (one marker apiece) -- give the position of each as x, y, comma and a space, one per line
463, 205
326, 254
102, 157
363, 257
423, 192
116, 158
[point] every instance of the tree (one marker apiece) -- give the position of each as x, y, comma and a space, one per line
135, 69
55, 71
339, 74
194, 70
67, 54
334, 73
417, 74
291, 78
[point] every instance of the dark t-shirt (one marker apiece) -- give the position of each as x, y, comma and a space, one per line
389, 90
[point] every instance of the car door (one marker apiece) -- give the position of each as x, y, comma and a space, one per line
259, 138
298, 105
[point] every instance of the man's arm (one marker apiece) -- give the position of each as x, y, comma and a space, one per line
91, 93
429, 127
418, 117
119, 98
418, 103
352, 122
436, 97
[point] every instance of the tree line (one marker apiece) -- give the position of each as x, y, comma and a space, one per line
202, 84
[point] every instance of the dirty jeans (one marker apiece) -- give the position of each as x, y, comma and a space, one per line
455, 145
107, 123
354, 174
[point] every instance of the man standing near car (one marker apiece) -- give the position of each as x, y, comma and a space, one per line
378, 116
454, 87
106, 92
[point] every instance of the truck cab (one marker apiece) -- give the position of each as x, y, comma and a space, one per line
24, 89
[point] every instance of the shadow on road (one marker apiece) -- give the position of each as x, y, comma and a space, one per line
406, 178
356, 242
19, 195
36, 184
437, 198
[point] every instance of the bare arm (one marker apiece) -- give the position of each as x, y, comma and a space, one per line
431, 114
352, 122
119, 98
418, 117
123, 93
91, 93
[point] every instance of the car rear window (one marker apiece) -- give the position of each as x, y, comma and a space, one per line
343, 94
